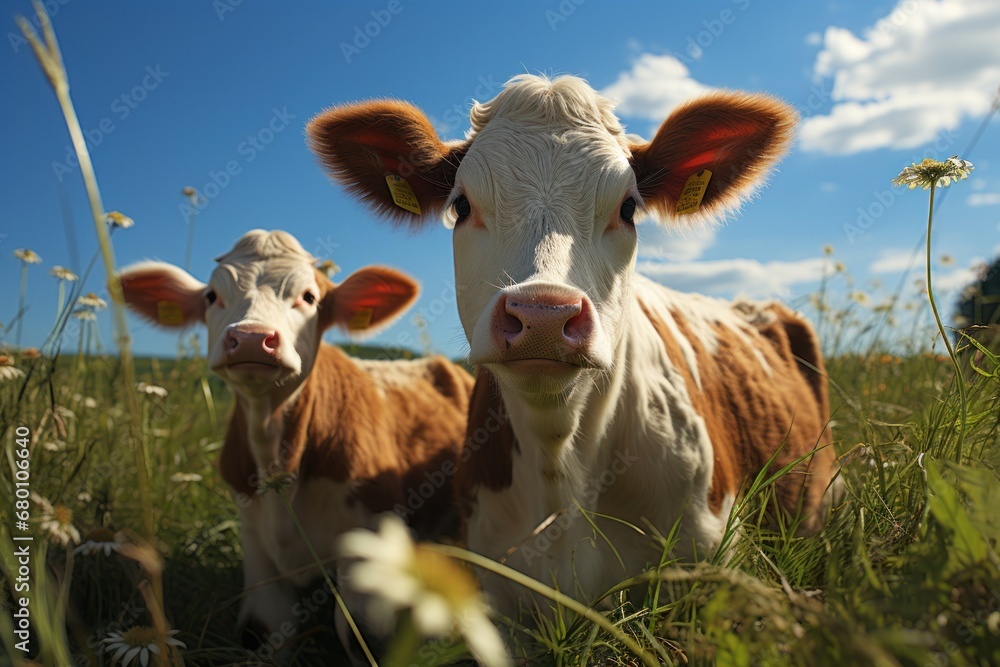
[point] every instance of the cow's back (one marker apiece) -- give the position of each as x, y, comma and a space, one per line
755, 374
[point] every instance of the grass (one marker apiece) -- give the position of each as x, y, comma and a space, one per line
906, 571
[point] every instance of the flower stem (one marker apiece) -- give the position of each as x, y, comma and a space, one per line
329, 582
959, 378
20, 302
551, 593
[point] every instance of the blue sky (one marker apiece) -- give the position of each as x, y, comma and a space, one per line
171, 93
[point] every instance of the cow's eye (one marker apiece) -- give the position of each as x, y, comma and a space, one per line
309, 298
628, 210
210, 296
463, 209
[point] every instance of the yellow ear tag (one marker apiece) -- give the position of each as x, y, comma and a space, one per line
361, 320
403, 194
169, 312
693, 192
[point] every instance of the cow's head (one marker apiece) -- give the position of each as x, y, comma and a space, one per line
266, 307
544, 195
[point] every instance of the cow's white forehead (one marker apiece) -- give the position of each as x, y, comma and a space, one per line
260, 256
565, 101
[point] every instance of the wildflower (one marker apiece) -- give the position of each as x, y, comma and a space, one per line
191, 194
328, 268
278, 482
62, 273
947, 260
57, 521
137, 642
151, 390
860, 298
31, 353
933, 172
440, 595
118, 220
27, 256
828, 250
92, 301
85, 314
99, 540
7, 371
839, 268
182, 477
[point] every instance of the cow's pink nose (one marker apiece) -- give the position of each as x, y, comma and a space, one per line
248, 342
552, 323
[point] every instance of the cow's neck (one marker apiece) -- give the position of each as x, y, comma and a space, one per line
565, 443
265, 421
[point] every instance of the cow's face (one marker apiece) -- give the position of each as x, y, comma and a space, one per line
544, 243
266, 307
543, 196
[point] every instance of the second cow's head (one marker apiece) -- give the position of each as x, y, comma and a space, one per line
543, 196
266, 307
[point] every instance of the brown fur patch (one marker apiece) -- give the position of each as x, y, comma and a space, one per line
487, 457
344, 427
750, 414
360, 144
738, 136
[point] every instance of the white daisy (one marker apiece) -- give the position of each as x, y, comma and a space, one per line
92, 301
151, 390
116, 219
27, 256
97, 541
57, 521
441, 595
7, 371
62, 273
138, 642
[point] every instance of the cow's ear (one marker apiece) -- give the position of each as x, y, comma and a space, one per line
369, 299
165, 295
737, 136
362, 145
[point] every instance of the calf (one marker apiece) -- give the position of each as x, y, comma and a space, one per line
603, 399
357, 434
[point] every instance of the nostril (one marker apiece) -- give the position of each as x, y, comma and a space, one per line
232, 342
577, 327
271, 342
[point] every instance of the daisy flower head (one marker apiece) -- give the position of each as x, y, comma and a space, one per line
62, 273
328, 268
7, 371
137, 644
27, 256
91, 300
441, 596
191, 194
934, 172
151, 390
118, 220
99, 540
57, 521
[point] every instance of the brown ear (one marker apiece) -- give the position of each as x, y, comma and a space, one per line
368, 300
163, 294
361, 144
737, 136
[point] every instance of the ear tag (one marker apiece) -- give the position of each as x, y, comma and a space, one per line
403, 194
361, 319
693, 192
169, 312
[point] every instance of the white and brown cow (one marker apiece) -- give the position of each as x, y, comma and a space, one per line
603, 398
357, 434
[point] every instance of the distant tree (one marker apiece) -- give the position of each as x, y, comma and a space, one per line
978, 307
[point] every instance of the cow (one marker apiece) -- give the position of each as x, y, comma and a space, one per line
357, 435
607, 406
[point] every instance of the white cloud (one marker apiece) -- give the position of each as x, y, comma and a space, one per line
828, 186
983, 199
731, 277
653, 87
917, 72
953, 280
814, 39
657, 242
896, 260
